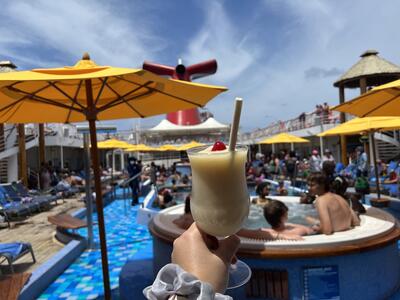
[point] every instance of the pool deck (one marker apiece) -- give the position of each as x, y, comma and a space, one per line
39, 232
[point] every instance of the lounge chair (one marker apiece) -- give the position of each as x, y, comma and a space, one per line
13, 210
67, 191
24, 192
10, 252
4, 218
11, 196
34, 204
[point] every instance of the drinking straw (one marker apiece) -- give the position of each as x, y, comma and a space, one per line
235, 124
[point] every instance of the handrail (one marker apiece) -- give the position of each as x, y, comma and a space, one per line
127, 181
10, 130
303, 121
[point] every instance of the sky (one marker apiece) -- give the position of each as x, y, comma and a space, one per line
281, 56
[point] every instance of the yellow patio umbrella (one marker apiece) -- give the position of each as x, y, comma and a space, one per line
168, 147
140, 148
113, 144
190, 145
88, 92
381, 101
360, 125
283, 138
369, 125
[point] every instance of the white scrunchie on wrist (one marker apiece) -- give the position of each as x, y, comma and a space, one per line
173, 280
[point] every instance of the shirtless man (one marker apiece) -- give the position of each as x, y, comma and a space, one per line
334, 212
276, 214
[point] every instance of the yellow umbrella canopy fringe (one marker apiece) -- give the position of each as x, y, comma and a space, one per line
283, 138
190, 145
360, 125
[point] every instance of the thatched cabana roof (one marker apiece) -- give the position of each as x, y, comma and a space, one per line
376, 70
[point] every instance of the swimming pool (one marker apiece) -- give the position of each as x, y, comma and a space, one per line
125, 240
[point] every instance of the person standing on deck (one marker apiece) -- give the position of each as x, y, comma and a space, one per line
315, 162
134, 168
362, 160
153, 173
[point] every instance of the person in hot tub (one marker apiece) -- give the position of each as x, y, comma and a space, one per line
333, 210
262, 190
185, 221
276, 214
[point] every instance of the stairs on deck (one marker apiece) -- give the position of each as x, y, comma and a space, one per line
388, 145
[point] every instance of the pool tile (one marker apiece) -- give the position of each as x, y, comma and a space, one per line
83, 278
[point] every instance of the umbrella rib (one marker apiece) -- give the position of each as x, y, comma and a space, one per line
13, 113
66, 95
379, 106
121, 97
126, 101
39, 99
72, 105
103, 84
26, 95
173, 96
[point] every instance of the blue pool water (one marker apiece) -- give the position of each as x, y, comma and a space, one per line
125, 240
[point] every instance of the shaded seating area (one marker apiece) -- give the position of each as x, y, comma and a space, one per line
10, 252
11, 285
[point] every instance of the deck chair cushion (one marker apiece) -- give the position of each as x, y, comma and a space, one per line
13, 250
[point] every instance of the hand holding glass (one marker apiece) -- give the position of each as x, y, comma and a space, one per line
220, 200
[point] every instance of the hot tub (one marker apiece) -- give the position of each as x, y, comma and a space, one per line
361, 263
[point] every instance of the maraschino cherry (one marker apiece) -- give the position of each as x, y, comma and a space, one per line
218, 146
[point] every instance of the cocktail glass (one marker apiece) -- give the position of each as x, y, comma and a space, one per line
220, 200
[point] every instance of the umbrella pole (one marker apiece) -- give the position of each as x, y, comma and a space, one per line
378, 190
91, 117
89, 204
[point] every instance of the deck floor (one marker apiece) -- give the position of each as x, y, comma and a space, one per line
39, 232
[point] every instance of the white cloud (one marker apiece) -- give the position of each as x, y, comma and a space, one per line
219, 38
318, 35
66, 29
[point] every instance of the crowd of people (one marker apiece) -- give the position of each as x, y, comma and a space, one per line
323, 112
286, 165
51, 177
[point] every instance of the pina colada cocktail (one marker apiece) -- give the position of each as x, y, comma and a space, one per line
220, 201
